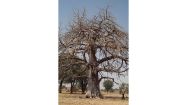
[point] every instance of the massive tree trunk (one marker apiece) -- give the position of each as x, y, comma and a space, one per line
90, 83
93, 86
97, 86
93, 89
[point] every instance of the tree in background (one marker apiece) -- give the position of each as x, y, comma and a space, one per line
124, 89
70, 74
108, 84
83, 81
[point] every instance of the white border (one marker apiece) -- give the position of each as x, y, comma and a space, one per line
28, 52
158, 39
28, 56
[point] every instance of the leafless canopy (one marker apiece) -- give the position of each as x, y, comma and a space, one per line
97, 41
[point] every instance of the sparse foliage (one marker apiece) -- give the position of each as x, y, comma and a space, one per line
124, 89
98, 44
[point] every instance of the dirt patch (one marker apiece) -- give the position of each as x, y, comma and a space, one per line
78, 99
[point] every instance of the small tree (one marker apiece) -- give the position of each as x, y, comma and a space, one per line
124, 89
108, 84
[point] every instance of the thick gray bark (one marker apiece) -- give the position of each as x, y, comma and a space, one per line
89, 87
93, 89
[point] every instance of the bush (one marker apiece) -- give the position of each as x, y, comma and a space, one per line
108, 84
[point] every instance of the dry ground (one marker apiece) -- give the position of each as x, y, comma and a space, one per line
78, 99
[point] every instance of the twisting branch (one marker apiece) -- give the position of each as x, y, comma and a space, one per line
111, 57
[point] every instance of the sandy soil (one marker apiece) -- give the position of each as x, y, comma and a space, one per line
78, 99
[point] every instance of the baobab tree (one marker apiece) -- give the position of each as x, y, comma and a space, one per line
99, 44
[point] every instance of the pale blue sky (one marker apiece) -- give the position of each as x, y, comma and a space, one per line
118, 8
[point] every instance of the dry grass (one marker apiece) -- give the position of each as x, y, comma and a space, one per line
78, 99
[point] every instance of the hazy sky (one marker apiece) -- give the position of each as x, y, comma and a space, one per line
118, 9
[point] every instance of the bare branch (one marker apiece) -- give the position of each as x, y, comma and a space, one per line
111, 57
